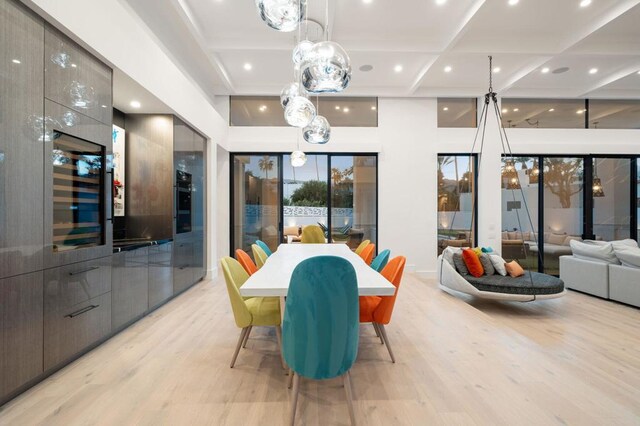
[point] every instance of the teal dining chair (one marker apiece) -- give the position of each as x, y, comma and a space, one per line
264, 247
320, 324
381, 260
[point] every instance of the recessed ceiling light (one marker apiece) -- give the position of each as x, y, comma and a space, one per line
397, 68
585, 3
74, 66
516, 109
505, 110
440, 2
16, 61
545, 70
551, 109
337, 107
262, 108
513, 2
638, 72
593, 70
445, 109
103, 106
373, 108
247, 66
447, 68
345, 109
580, 111
496, 69
135, 104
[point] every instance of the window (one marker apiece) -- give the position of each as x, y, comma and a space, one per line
457, 112
611, 200
340, 111
544, 113
457, 199
614, 114
272, 201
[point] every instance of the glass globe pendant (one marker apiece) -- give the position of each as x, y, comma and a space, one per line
318, 131
282, 15
299, 112
298, 158
326, 68
301, 50
289, 92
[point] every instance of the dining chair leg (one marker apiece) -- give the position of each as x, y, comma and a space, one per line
383, 332
246, 337
279, 339
294, 401
239, 345
348, 391
377, 327
291, 374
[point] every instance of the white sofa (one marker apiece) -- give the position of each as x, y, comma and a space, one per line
602, 276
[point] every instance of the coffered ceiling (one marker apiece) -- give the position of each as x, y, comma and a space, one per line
441, 46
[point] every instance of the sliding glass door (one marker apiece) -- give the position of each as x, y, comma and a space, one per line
255, 200
354, 194
456, 201
611, 201
272, 200
305, 196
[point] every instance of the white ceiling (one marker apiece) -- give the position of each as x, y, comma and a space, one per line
126, 90
212, 40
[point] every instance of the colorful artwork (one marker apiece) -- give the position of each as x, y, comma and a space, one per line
118, 171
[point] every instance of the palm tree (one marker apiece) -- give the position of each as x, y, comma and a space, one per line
266, 165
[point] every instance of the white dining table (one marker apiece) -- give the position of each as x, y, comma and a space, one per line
274, 277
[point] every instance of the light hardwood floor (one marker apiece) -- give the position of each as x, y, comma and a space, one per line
574, 360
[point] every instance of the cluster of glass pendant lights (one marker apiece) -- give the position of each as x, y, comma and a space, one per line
322, 67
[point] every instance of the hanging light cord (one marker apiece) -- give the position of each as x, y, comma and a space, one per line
326, 20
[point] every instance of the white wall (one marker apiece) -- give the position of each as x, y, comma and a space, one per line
408, 142
110, 30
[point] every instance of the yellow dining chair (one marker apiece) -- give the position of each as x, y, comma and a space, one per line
259, 255
253, 311
362, 246
312, 234
367, 253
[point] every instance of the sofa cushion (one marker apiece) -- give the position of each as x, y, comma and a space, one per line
472, 261
557, 239
448, 252
486, 264
567, 241
532, 283
624, 243
594, 252
514, 269
629, 256
459, 264
498, 263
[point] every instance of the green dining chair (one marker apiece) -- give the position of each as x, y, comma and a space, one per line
259, 256
252, 311
312, 234
320, 326
264, 247
381, 260
362, 246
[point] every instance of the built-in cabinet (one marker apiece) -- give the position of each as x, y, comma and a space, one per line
160, 274
130, 290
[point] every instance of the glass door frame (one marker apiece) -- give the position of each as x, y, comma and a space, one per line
587, 195
280, 158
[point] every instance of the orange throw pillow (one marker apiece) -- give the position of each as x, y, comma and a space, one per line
514, 269
472, 261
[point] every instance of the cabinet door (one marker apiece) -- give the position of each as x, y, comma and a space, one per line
21, 318
21, 135
182, 258
160, 274
75, 78
199, 207
182, 164
130, 286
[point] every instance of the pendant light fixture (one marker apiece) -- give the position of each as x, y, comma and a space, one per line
319, 130
598, 190
282, 15
299, 112
534, 173
298, 158
326, 68
291, 91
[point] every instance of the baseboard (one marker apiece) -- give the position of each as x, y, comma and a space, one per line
212, 273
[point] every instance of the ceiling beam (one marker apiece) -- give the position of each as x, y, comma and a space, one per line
624, 72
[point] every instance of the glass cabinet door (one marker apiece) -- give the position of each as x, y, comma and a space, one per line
77, 193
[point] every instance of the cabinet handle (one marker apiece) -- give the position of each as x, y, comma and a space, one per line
81, 311
93, 268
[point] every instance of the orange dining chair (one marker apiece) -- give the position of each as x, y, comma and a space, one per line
377, 310
367, 253
246, 262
